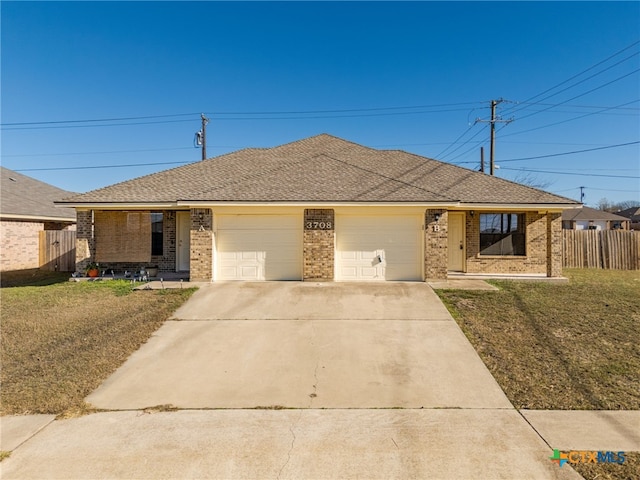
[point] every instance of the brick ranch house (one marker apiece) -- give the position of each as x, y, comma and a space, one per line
27, 208
321, 209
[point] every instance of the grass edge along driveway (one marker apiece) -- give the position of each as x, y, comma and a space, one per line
550, 346
61, 339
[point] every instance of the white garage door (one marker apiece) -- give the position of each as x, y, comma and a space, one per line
259, 247
385, 247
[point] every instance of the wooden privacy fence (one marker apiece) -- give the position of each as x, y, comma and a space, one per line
58, 250
611, 249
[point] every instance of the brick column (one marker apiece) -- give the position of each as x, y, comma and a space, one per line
201, 245
554, 244
435, 246
85, 245
318, 244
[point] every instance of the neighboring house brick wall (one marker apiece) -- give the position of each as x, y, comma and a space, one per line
318, 244
20, 245
436, 252
535, 260
201, 245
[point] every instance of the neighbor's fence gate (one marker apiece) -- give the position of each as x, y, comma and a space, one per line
58, 250
611, 249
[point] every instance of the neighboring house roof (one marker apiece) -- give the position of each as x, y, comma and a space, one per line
23, 197
323, 169
632, 214
587, 214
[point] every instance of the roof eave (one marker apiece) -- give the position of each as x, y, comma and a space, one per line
37, 218
209, 203
115, 205
517, 206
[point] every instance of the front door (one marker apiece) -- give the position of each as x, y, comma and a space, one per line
455, 245
183, 254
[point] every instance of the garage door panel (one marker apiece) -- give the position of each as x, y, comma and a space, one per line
254, 247
379, 248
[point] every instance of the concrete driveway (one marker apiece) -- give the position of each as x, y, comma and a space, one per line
301, 345
327, 365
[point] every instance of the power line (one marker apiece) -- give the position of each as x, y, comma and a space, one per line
569, 173
580, 73
581, 81
456, 140
275, 112
612, 190
99, 166
91, 120
565, 121
570, 153
582, 94
93, 125
100, 153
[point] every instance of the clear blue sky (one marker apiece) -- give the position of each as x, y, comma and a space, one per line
441, 62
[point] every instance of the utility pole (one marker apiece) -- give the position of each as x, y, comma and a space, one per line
493, 136
205, 120
582, 194
493, 121
482, 159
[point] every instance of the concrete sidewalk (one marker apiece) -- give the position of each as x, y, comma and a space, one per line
288, 444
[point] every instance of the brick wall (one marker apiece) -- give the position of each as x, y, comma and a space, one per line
19, 244
435, 245
535, 260
318, 244
85, 246
165, 262
554, 245
201, 246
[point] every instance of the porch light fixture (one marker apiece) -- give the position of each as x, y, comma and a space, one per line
437, 216
472, 212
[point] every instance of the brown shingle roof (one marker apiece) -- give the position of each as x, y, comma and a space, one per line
587, 213
23, 196
322, 168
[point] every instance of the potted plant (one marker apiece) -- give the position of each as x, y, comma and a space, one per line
152, 271
93, 270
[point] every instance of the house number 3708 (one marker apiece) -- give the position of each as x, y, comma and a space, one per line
318, 225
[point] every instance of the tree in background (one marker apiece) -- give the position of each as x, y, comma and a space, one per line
612, 207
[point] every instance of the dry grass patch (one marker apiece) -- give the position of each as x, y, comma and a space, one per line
629, 470
550, 346
61, 340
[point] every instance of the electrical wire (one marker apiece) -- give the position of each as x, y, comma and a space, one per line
578, 74
564, 121
292, 112
102, 153
569, 173
570, 153
577, 83
51, 169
